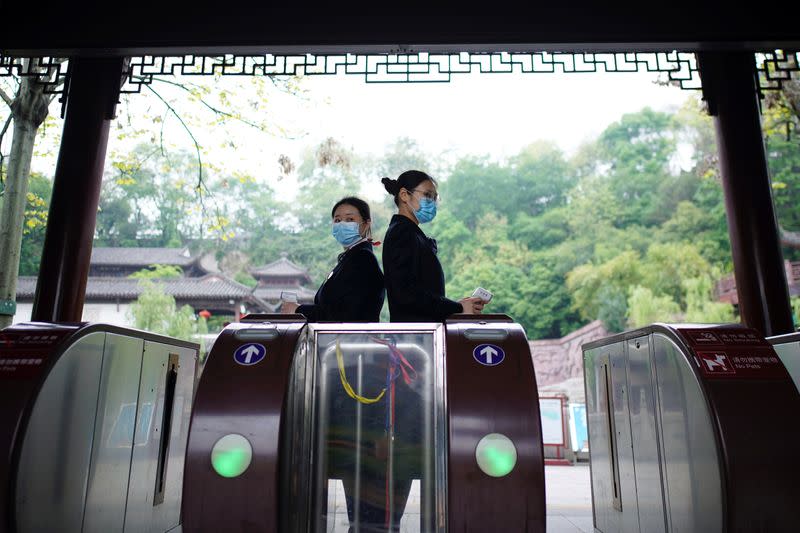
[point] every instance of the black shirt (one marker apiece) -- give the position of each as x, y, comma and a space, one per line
414, 276
353, 292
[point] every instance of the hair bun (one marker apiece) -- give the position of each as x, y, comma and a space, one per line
391, 186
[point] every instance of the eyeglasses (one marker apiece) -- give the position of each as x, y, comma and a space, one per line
428, 194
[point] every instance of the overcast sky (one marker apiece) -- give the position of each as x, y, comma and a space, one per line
490, 113
494, 114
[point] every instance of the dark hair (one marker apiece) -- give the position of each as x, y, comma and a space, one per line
408, 180
358, 203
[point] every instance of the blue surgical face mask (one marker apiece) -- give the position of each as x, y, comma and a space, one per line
426, 211
346, 233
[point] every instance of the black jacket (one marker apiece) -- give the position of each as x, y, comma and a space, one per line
414, 276
353, 292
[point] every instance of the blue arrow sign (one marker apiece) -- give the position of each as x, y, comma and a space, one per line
249, 354
488, 354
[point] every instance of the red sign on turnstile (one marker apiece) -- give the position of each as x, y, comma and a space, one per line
739, 353
22, 354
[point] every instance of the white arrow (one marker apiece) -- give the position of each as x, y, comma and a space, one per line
250, 351
489, 352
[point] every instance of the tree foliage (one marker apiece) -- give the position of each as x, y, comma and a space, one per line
158, 272
156, 311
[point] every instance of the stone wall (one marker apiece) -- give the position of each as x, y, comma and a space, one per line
557, 360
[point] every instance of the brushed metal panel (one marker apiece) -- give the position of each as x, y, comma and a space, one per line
693, 487
622, 425
609, 430
649, 493
598, 427
790, 355
54, 463
143, 513
111, 451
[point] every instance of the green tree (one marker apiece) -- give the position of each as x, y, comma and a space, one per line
27, 110
590, 284
33, 230
699, 305
665, 267
671, 280
476, 186
644, 308
543, 231
156, 311
158, 272
706, 231
161, 196
540, 178
530, 183
780, 122
635, 155
525, 285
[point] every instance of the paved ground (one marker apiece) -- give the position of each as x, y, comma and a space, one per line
569, 499
569, 502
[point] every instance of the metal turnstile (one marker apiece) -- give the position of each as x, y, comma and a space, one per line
325, 427
691, 428
93, 428
788, 349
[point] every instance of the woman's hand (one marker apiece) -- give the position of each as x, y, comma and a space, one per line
287, 308
472, 305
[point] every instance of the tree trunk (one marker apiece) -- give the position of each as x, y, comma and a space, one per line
29, 109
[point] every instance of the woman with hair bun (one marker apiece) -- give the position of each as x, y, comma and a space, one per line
412, 271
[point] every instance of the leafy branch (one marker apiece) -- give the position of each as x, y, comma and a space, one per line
201, 186
212, 108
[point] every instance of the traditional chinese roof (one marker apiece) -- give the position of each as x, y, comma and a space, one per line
282, 268
208, 287
142, 256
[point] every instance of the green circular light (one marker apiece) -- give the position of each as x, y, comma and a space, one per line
496, 455
231, 455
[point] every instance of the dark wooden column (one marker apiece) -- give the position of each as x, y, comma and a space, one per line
92, 96
730, 89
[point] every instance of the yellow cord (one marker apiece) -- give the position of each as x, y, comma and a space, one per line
347, 388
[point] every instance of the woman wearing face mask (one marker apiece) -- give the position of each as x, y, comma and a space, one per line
354, 290
413, 274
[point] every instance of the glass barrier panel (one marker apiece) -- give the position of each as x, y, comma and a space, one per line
375, 409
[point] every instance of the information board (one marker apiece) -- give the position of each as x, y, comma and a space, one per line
579, 431
552, 421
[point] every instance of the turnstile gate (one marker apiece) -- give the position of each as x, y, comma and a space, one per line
691, 428
326, 427
788, 349
93, 428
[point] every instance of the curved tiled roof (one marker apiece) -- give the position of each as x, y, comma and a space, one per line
281, 268
210, 286
142, 256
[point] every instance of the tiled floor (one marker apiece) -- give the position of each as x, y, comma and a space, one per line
569, 502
